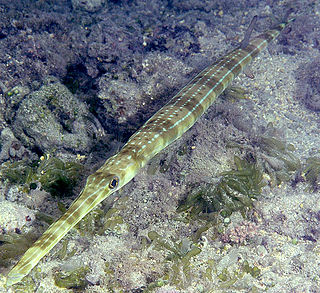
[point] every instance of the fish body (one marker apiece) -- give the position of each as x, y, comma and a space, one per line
164, 127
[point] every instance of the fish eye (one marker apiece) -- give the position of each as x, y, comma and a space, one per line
114, 182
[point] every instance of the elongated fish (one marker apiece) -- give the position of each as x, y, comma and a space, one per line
164, 127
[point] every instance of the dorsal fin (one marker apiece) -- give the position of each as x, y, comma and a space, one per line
244, 43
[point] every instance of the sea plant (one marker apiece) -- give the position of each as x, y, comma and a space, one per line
18, 172
278, 159
274, 154
74, 279
13, 245
55, 176
58, 177
235, 191
179, 254
228, 279
312, 173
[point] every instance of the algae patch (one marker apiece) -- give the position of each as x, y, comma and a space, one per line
179, 255
312, 173
55, 176
72, 278
13, 245
235, 191
58, 177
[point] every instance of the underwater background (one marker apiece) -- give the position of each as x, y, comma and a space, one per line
232, 206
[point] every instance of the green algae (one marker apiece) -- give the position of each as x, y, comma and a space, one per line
180, 254
278, 159
58, 177
63, 253
205, 227
111, 223
73, 279
210, 270
55, 176
254, 271
312, 173
113, 285
92, 223
18, 172
13, 245
235, 191
277, 156
156, 284
274, 155
26, 285
228, 279
100, 222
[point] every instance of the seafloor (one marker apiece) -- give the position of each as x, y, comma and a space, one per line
77, 78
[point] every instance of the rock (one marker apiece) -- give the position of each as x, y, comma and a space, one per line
51, 118
88, 5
